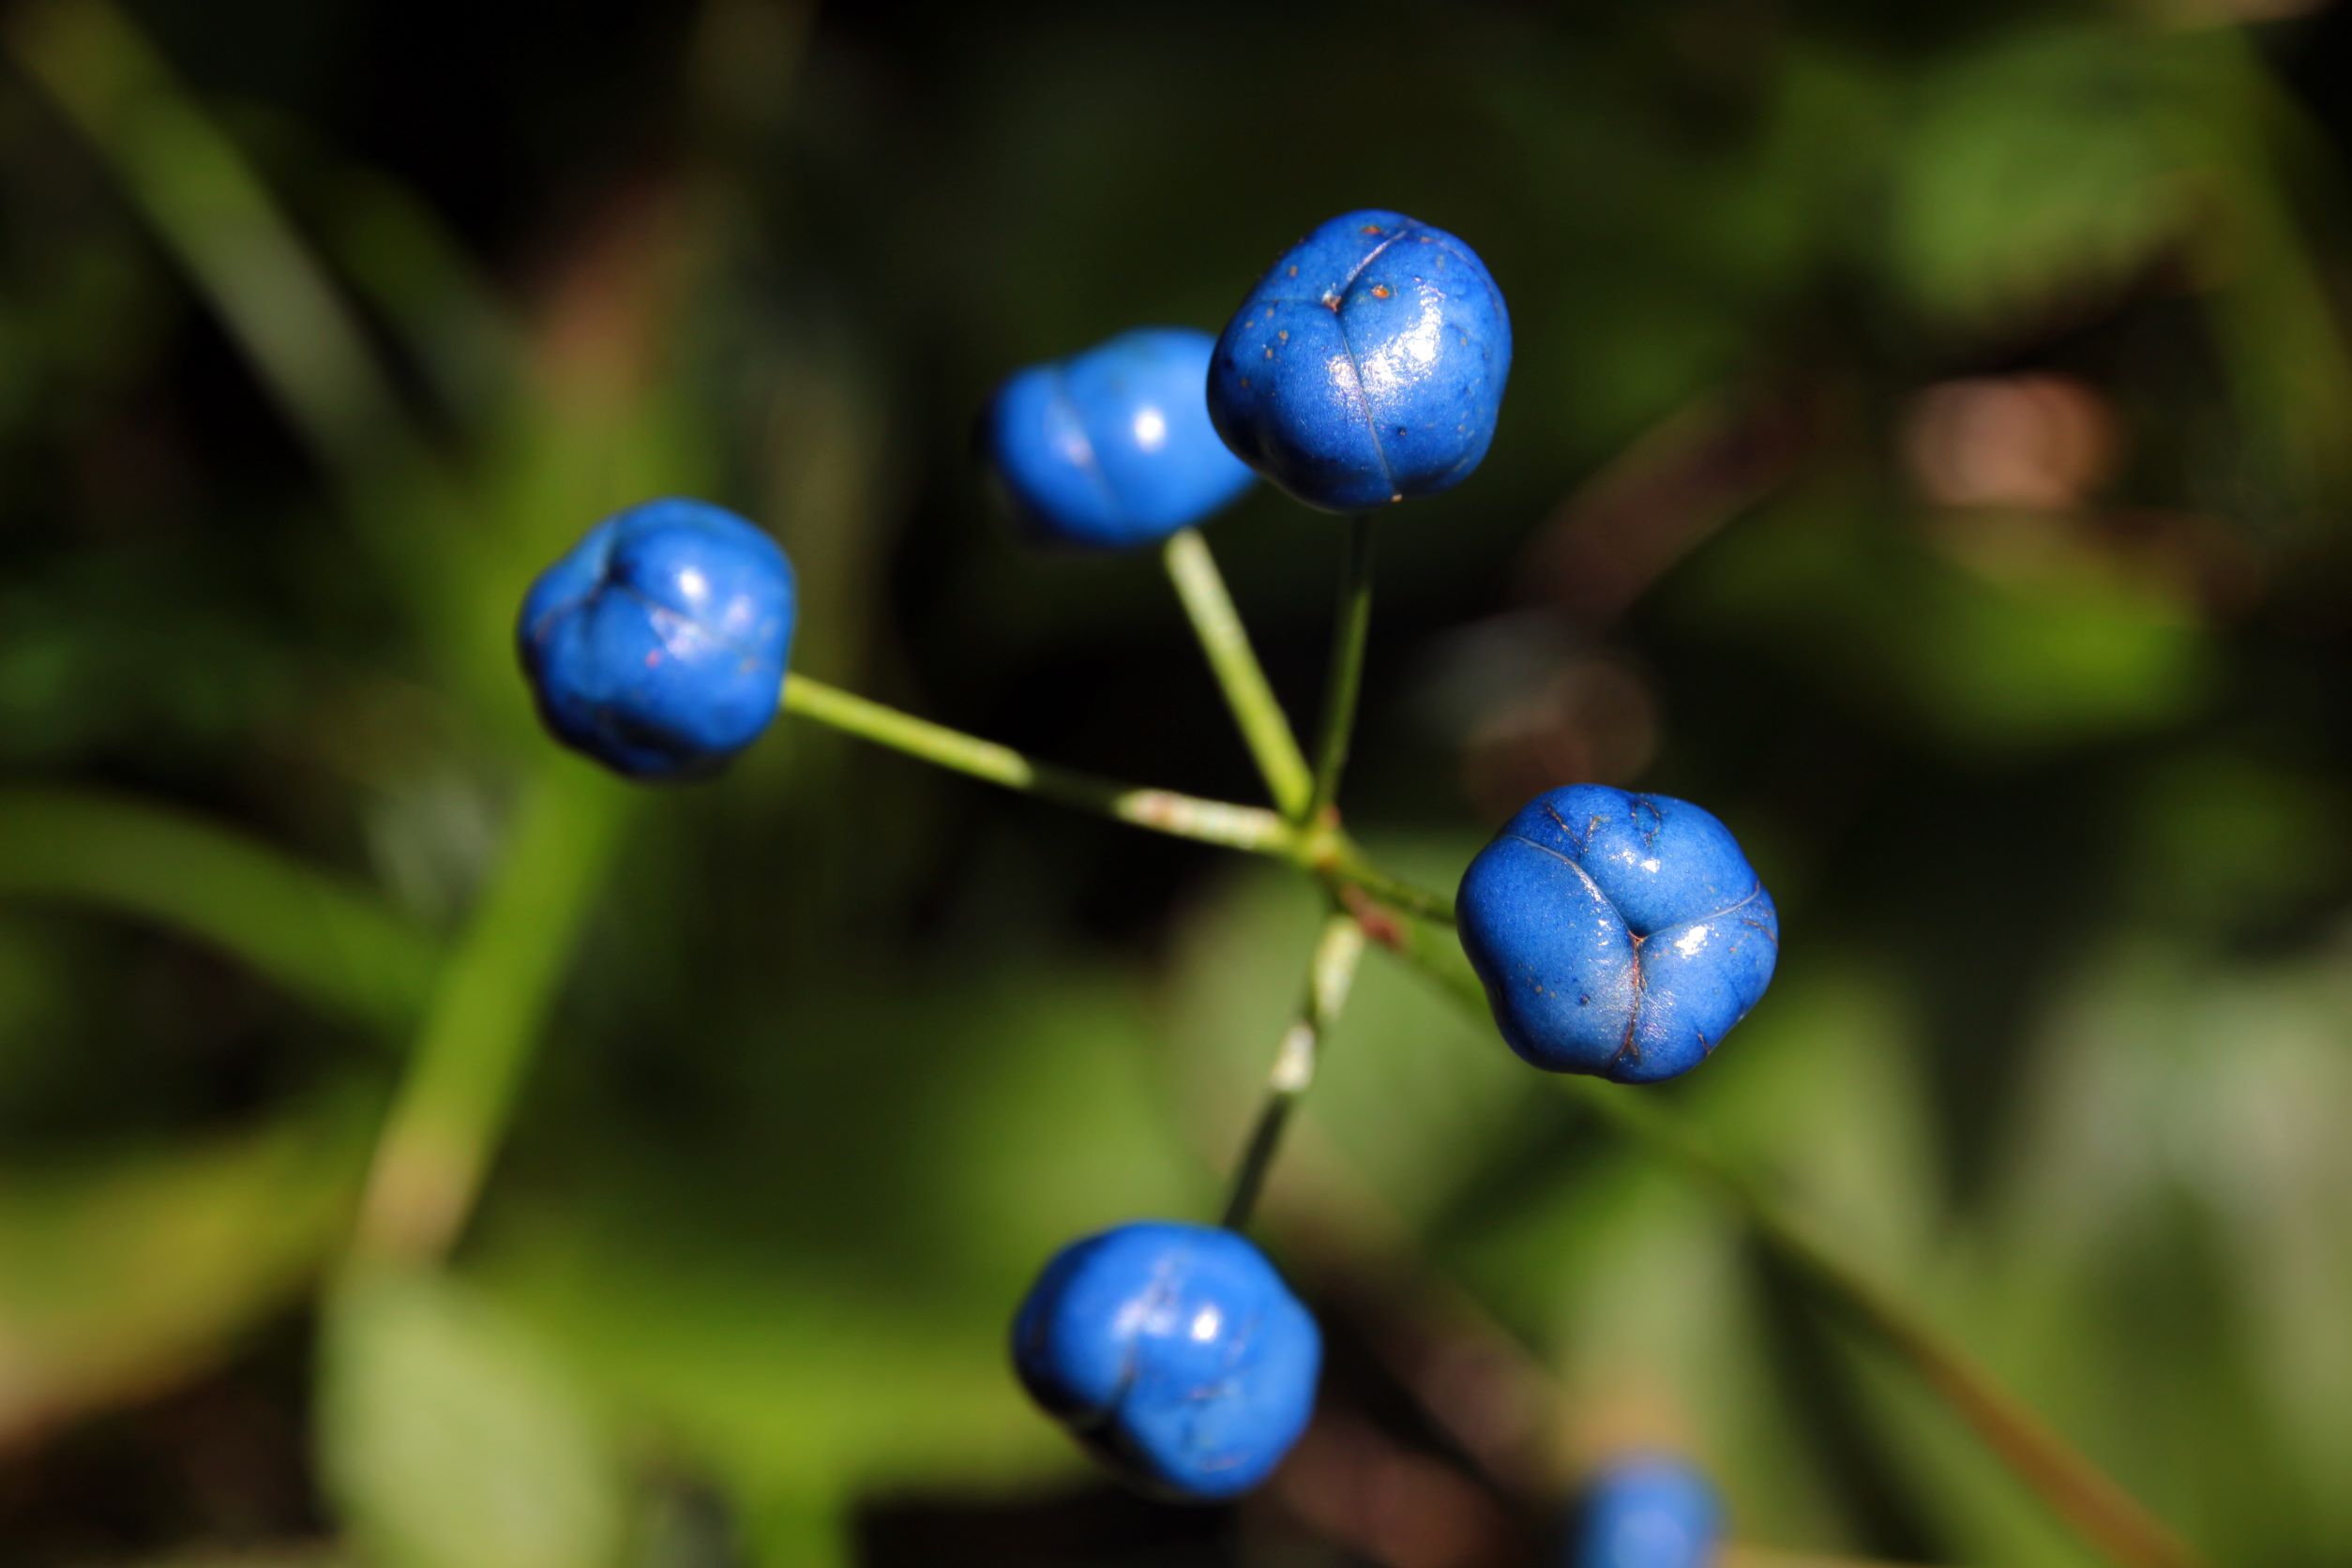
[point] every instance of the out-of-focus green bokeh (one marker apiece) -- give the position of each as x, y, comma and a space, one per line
1928, 446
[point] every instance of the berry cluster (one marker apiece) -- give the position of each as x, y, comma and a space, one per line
1620, 935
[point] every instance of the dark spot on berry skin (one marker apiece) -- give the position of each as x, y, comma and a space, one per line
1400, 429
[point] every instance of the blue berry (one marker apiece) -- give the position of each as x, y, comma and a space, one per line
1367, 365
1175, 1352
657, 644
1647, 1512
1618, 934
1112, 447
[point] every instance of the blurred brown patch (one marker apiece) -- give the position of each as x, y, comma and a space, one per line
1352, 1484
2040, 441
2016, 464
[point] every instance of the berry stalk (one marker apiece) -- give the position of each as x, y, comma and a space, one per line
1346, 667
1248, 828
1329, 975
1264, 726
1253, 830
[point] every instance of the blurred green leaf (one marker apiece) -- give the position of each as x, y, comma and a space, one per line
2227, 842
331, 943
2049, 164
118, 1275
450, 1438
812, 1300
2167, 1258
2020, 656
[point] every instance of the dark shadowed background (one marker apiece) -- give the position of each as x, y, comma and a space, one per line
1928, 446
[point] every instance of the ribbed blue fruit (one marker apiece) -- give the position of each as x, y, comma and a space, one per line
1173, 1352
1618, 934
1367, 366
1112, 447
658, 643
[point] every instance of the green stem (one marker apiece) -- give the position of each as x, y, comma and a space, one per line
1264, 726
1346, 667
2091, 1502
1248, 828
1329, 974
454, 1104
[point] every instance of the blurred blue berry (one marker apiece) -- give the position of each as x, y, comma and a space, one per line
656, 645
1367, 365
1175, 1352
1647, 1512
1112, 447
1618, 934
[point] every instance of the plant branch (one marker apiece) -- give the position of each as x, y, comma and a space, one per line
1346, 669
1265, 729
1330, 974
1248, 828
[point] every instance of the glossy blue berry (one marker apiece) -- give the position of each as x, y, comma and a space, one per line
1175, 1352
1367, 365
657, 644
1647, 1512
1617, 934
1112, 447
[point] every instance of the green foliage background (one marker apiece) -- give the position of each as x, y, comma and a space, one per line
322, 327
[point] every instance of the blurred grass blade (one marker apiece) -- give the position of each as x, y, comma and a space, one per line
116, 1277
494, 996
216, 215
450, 1438
2099, 1511
331, 943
